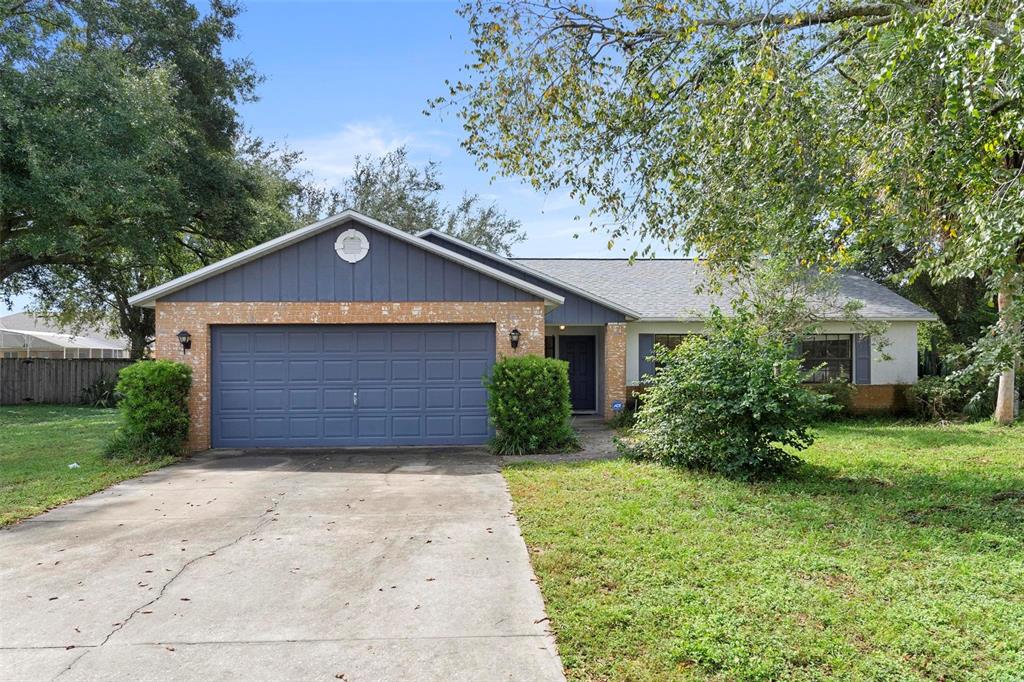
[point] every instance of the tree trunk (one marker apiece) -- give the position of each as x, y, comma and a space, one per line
1005, 396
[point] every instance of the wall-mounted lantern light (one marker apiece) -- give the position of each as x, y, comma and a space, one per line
185, 339
513, 338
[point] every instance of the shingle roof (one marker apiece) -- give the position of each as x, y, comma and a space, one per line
667, 288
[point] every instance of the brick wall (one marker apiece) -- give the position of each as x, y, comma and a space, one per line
196, 318
867, 398
614, 365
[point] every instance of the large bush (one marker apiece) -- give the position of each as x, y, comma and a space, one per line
154, 407
528, 400
727, 402
949, 398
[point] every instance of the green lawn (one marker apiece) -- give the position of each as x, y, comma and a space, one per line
38, 442
896, 554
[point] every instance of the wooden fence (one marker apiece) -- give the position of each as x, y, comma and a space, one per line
36, 380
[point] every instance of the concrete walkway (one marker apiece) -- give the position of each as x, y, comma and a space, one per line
279, 566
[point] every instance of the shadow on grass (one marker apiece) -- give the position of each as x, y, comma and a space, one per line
870, 502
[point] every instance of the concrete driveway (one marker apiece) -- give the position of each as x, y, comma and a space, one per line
279, 565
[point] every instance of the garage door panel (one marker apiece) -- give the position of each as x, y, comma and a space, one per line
372, 342
234, 371
406, 427
338, 399
440, 398
372, 370
269, 427
303, 342
406, 342
339, 342
339, 427
474, 341
269, 399
268, 370
407, 370
473, 425
236, 342
406, 398
440, 426
295, 385
304, 399
440, 370
268, 342
338, 370
473, 398
472, 369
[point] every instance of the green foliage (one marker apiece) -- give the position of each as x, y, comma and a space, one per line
155, 413
623, 419
123, 160
528, 401
950, 398
102, 392
839, 394
826, 134
727, 402
392, 190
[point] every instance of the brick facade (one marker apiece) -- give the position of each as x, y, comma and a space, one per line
880, 399
614, 365
196, 318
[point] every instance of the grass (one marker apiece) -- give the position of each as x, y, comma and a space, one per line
38, 442
897, 553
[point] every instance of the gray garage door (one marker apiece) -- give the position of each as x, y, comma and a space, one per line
338, 385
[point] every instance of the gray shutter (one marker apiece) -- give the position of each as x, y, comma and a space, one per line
861, 359
646, 351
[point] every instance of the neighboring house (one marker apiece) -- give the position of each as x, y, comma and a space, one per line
350, 332
29, 336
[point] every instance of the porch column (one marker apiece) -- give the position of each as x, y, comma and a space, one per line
614, 365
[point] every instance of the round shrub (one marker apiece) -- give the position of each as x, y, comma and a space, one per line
528, 401
727, 402
154, 408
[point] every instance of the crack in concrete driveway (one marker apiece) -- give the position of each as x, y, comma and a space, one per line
304, 565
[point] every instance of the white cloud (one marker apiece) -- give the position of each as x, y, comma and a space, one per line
330, 157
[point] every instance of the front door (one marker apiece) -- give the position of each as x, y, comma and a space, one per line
581, 354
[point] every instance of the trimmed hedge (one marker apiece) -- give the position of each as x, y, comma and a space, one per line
154, 406
528, 401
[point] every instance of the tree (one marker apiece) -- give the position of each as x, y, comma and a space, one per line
96, 294
815, 133
393, 190
117, 132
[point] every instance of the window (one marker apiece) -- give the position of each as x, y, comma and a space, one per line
549, 346
833, 351
669, 341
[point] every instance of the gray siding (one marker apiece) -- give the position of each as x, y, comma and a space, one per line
575, 310
310, 270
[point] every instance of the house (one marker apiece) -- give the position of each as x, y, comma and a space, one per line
31, 336
351, 332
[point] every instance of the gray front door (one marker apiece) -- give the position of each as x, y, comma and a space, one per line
342, 385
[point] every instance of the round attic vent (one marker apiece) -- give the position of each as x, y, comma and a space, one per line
352, 246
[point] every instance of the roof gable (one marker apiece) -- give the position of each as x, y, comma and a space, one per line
308, 253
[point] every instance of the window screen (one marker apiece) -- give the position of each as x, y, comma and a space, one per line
833, 351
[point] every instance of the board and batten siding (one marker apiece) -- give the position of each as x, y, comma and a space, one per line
575, 310
310, 270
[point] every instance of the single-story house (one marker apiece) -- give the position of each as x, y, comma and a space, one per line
351, 332
23, 335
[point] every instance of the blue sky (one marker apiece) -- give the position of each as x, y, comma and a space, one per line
346, 78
